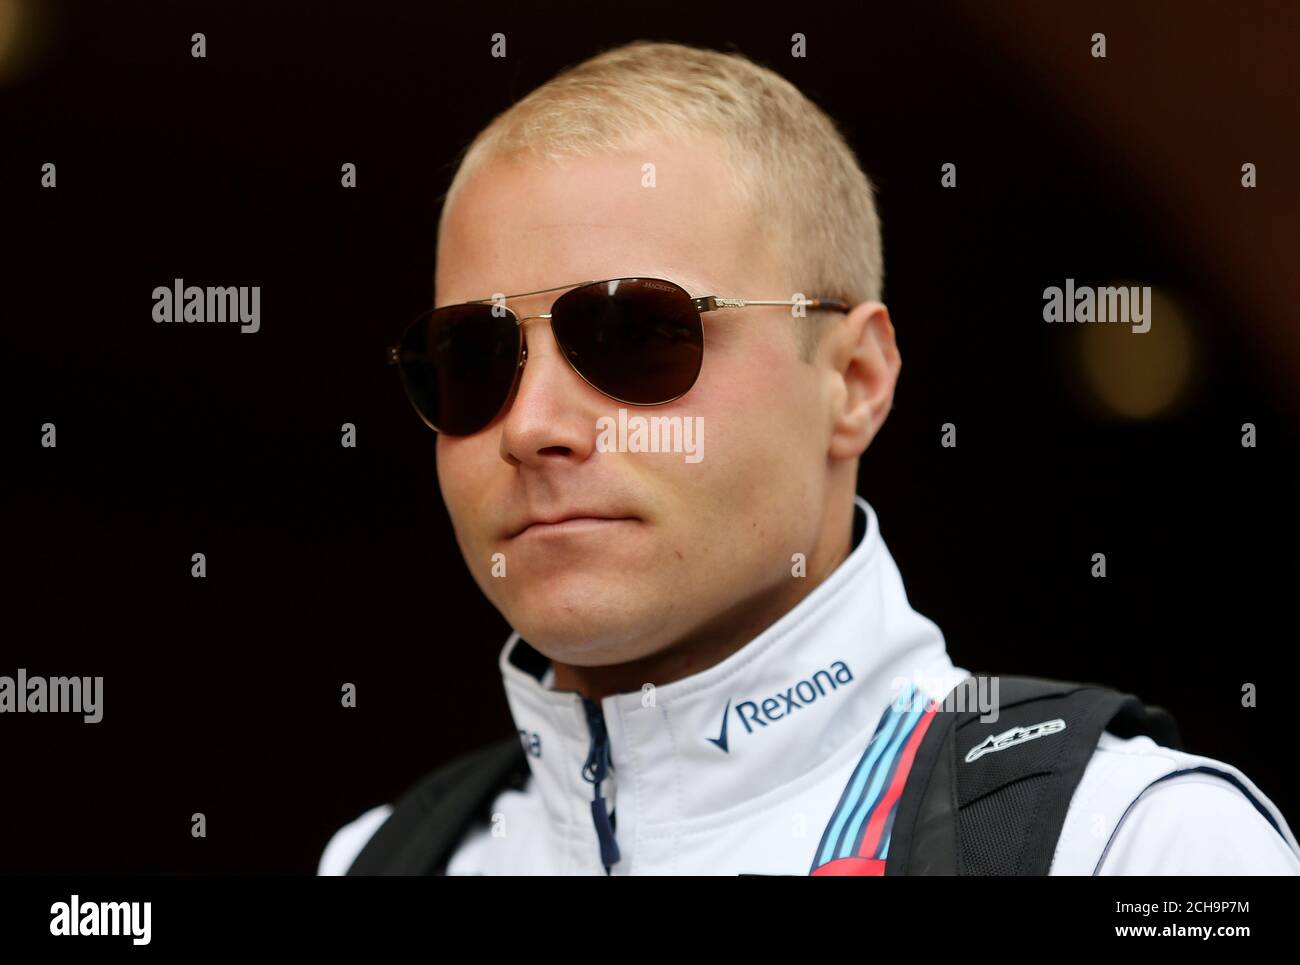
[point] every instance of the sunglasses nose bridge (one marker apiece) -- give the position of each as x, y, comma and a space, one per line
523, 348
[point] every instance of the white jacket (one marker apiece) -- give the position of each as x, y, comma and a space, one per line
740, 767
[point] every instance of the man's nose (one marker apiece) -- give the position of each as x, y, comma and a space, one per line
546, 372
548, 415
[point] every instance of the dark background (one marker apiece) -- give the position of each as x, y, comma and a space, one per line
328, 565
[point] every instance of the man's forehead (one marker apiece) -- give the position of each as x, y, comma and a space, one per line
497, 263
516, 225
680, 199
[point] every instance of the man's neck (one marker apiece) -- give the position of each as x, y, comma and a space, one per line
710, 644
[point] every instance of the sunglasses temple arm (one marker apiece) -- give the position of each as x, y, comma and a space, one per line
712, 303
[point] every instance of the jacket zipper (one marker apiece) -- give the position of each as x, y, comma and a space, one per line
595, 771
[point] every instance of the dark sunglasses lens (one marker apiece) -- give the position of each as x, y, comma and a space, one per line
638, 340
458, 365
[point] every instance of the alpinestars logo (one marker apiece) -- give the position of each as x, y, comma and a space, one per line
1014, 736
782, 704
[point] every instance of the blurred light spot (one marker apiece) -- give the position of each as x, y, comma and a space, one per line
22, 37
1140, 376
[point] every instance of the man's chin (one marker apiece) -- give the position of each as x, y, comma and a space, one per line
583, 627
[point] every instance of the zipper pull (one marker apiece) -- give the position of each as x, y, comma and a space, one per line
596, 770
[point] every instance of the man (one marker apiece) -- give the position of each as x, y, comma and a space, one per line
711, 641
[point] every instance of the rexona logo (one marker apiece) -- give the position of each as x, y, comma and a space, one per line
782, 704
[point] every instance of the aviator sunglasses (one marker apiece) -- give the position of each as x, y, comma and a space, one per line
639, 341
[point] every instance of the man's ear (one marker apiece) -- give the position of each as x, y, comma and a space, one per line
865, 365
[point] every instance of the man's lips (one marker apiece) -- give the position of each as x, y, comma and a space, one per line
569, 523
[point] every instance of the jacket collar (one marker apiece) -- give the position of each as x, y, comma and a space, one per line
809, 688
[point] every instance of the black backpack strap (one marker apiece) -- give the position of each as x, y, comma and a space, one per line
429, 821
990, 798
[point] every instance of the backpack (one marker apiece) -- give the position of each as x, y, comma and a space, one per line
982, 797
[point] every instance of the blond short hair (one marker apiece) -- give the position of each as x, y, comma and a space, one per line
790, 163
